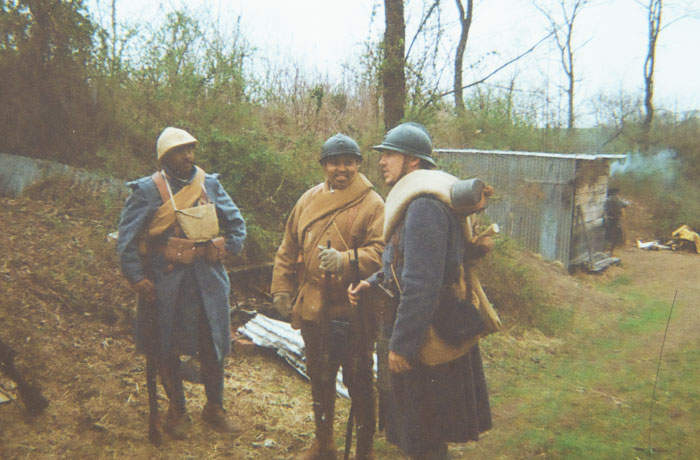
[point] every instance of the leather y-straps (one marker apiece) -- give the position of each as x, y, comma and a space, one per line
163, 187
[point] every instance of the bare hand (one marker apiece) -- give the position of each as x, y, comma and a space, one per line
354, 292
483, 201
145, 289
398, 363
484, 244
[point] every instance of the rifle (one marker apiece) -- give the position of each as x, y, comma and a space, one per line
154, 435
359, 317
325, 343
152, 365
34, 402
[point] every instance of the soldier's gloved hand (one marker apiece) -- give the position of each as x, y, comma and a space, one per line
282, 303
331, 260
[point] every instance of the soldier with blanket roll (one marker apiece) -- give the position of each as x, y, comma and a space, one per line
436, 391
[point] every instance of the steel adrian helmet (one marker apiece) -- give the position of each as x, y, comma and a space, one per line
340, 144
171, 138
409, 138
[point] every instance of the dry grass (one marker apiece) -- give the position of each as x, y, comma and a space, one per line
67, 310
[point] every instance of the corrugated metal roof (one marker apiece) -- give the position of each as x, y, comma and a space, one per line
572, 156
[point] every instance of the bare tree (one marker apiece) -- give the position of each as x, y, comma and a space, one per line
393, 75
654, 8
490, 74
613, 112
564, 37
465, 21
653, 11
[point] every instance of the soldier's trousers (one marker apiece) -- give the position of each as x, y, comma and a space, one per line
211, 370
357, 362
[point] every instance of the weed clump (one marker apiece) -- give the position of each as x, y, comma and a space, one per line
519, 292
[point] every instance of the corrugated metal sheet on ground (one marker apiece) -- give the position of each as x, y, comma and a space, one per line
270, 333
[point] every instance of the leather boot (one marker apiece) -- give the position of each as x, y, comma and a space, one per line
215, 415
177, 423
318, 452
364, 449
365, 406
437, 453
323, 447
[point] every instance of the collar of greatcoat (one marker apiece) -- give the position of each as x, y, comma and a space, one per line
326, 201
414, 184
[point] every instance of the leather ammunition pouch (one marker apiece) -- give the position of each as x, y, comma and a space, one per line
184, 251
216, 250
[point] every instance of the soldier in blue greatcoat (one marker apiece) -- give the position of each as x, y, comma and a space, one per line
431, 393
182, 285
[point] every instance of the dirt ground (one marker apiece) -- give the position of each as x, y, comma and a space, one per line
66, 310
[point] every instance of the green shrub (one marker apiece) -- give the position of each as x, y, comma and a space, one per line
666, 185
263, 184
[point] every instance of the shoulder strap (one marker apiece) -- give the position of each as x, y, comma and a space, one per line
162, 187
351, 214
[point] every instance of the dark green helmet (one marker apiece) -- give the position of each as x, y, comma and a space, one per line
409, 138
340, 144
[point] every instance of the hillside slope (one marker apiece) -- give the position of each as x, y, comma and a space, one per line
67, 311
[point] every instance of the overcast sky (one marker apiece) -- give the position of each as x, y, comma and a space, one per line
322, 35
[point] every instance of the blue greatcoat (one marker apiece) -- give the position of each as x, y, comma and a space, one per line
182, 291
428, 405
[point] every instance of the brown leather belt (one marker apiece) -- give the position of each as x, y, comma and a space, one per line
198, 251
182, 251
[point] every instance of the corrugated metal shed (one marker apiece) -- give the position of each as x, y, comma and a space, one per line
539, 195
18, 172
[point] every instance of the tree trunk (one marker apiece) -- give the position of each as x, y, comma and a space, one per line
393, 76
563, 35
569, 70
465, 20
654, 18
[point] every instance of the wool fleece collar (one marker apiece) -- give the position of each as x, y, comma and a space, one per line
414, 184
327, 201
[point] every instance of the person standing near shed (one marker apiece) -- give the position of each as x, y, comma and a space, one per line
174, 263
614, 235
433, 397
329, 226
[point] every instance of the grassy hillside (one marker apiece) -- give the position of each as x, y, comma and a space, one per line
570, 378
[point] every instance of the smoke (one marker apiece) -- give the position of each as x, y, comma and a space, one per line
664, 166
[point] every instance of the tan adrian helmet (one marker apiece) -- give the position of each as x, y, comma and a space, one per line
171, 138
